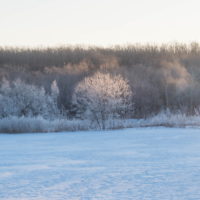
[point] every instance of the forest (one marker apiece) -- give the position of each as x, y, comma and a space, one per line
137, 81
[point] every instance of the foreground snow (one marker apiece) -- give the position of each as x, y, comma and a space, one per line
135, 164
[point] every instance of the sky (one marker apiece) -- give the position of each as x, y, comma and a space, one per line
98, 22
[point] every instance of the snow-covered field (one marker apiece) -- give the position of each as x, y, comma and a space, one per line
131, 164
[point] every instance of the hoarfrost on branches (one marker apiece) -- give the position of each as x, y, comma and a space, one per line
21, 99
103, 96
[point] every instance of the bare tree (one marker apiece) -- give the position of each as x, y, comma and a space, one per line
103, 96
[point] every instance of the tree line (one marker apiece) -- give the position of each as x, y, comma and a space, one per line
159, 77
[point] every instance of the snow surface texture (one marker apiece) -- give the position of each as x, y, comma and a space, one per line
131, 164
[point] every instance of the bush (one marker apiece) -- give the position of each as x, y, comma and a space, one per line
20, 99
39, 124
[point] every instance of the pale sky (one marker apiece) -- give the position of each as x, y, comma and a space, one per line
98, 22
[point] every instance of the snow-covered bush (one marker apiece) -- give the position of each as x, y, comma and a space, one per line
37, 124
103, 96
170, 119
15, 124
21, 99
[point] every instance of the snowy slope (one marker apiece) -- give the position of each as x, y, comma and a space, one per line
135, 164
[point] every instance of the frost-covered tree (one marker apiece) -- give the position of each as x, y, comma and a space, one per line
21, 99
7, 107
103, 96
54, 89
55, 93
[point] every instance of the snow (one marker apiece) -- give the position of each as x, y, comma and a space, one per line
136, 164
